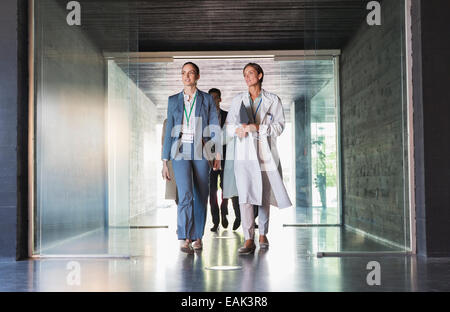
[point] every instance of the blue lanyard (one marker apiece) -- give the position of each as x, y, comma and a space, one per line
254, 115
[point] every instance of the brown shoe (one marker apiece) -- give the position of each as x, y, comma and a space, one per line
197, 245
264, 244
186, 247
247, 250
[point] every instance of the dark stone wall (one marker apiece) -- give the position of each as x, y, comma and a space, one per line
13, 129
431, 93
22, 130
372, 128
8, 127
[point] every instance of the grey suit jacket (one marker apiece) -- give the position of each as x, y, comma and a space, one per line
206, 128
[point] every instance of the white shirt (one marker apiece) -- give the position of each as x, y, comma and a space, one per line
188, 129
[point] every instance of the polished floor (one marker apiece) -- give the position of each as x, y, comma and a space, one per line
148, 259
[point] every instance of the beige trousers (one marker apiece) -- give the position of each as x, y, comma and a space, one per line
248, 220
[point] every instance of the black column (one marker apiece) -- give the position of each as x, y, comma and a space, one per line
431, 51
13, 128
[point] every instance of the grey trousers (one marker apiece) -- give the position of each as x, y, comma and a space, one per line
192, 178
248, 220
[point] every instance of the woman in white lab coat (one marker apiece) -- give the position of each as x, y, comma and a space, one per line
257, 169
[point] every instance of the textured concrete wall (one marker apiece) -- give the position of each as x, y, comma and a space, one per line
372, 117
8, 128
303, 153
70, 133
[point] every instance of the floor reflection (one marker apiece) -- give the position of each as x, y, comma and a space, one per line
155, 263
157, 236
262, 271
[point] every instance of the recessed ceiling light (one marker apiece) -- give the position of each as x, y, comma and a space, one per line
224, 268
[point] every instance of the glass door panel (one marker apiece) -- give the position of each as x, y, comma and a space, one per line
309, 85
357, 118
82, 129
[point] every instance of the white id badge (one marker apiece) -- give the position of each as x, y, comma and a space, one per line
187, 137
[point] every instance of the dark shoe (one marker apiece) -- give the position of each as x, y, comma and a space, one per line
187, 248
214, 228
236, 224
224, 221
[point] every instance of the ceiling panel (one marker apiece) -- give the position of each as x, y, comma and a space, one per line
200, 25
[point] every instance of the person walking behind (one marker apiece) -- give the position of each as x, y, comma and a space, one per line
213, 177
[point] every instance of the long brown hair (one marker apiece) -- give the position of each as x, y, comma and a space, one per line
258, 69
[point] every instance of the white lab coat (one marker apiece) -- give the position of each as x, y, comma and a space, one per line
255, 177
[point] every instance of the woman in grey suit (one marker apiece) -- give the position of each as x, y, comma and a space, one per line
191, 124
257, 169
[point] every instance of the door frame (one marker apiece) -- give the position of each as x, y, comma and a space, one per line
278, 55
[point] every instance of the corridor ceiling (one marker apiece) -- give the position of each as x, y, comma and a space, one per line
200, 25
220, 25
